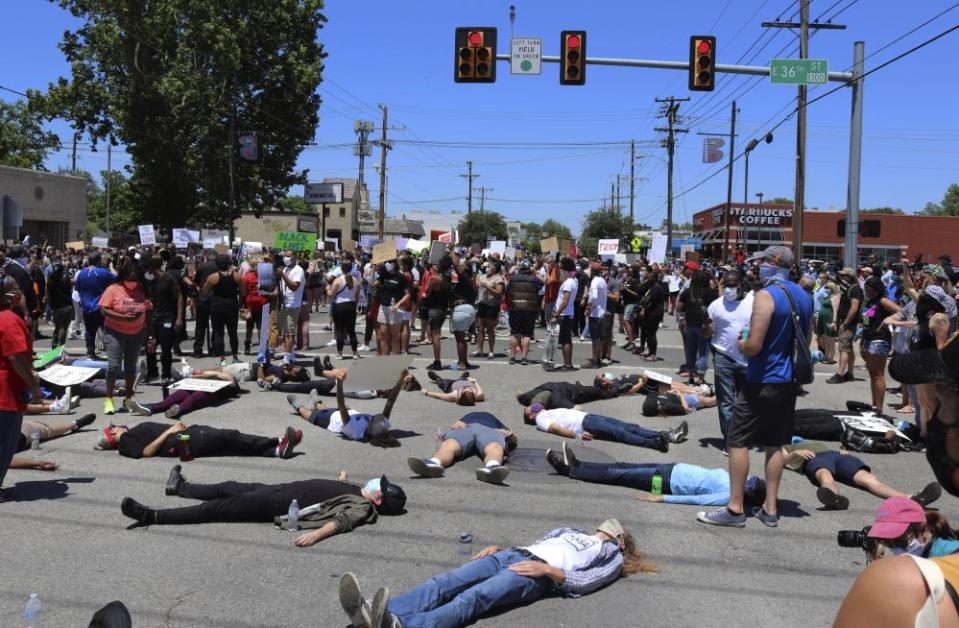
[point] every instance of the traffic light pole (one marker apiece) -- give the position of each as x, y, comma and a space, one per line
855, 159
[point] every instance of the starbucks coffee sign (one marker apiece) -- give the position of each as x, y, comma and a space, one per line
761, 215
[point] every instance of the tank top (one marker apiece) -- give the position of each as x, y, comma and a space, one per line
226, 289
773, 364
440, 299
345, 294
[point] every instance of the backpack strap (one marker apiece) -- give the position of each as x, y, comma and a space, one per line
928, 615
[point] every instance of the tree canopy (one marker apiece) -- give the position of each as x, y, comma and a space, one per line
176, 81
601, 224
23, 142
478, 226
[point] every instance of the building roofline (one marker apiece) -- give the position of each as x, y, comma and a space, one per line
43, 174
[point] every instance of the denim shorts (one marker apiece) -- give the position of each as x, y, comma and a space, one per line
876, 347
843, 468
463, 317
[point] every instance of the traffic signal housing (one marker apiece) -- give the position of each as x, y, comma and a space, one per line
702, 63
572, 58
475, 60
249, 147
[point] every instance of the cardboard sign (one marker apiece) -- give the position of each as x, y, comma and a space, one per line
871, 425
437, 251
498, 246
202, 385
63, 375
78, 246
657, 252
379, 374
383, 253
349, 245
607, 247
221, 249
295, 241
549, 245
147, 235
43, 359
658, 377
101, 243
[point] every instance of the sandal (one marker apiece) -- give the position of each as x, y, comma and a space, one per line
906, 410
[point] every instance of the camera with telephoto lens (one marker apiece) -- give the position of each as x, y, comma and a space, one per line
856, 538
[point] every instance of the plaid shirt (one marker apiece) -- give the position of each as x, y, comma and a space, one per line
604, 570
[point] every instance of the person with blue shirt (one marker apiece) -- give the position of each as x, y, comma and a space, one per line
682, 483
90, 284
478, 434
766, 403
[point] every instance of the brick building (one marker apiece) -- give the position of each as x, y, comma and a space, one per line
754, 227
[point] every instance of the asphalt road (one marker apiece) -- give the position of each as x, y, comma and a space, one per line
65, 537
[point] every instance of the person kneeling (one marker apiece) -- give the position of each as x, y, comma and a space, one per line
477, 434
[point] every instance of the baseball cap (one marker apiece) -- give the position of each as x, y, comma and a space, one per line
608, 263
536, 407
848, 272
894, 517
393, 498
779, 255
612, 527
525, 263
691, 265
379, 427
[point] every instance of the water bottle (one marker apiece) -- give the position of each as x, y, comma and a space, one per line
817, 356
797, 439
184, 368
34, 439
184, 446
465, 545
32, 612
294, 516
657, 484
744, 333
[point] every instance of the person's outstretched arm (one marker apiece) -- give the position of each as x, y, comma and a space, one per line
315, 536
394, 394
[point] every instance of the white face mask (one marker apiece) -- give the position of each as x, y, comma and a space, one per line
914, 547
148, 276
287, 261
730, 294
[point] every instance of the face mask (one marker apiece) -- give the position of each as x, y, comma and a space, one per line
730, 294
373, 485
148, 276
287, 261
768, 273
914, 547
130, 285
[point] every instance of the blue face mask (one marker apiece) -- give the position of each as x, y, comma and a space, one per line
769, 273
373, 485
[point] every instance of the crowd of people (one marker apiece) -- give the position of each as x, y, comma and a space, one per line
764, 321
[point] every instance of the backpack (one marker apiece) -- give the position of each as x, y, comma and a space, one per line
801, 356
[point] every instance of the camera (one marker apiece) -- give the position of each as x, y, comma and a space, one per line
856, 538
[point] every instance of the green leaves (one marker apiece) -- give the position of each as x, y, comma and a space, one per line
23, 142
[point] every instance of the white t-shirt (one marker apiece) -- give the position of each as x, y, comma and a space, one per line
571, 286
729, 318
293, 298
566, 418
597, 297
336, 421
673, 280
570, 551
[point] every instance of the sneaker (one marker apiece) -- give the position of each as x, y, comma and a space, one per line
512, 360
292, 400
849, 377
353, 602
679, 433
314, 398
435, 366
74, 402
136, 511
174, 481
490, 356
722, 517
317, 366
770, 521
524, 361
380, 617
831, 499
362, 348
291, 438
173, 411
108, 407
569, 456
425, 468
662, 442
327, 363
555, 460
84, 421
432, 375
331, 343
137, 408
492, 475
836, 379
930, 493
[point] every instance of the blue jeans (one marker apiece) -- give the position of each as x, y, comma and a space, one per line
607, 428
695, 345
92, 322
459, 597
638, 476
10, 422
728, 379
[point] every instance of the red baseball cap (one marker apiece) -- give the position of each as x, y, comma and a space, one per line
691, 265
894, 517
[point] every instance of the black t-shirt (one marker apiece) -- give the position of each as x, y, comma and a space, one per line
633, 284
845, 303
310, 492
872, 316
164, 297
132, 443
667, 404
655, 299
465, 288
483, 418
392, 288
61, 293
203, 272
695, 306
281, 373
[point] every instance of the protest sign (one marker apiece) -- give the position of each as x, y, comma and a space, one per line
101, 243
379, 374
871, 425
549, 245
607, 247
147, 235
221, 249
63, 375
202, 385
265, 278
498, 246
657, 252
41, 360
295, 241
658, 377
384, 252
437, 251
79, 245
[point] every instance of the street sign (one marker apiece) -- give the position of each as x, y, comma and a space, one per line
526, 55
799, 71
319, 193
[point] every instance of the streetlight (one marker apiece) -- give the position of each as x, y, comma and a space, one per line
759, 229
753, 143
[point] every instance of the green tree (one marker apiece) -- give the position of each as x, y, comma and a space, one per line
883, 210
23, 142
295, 204
931, 209
170, 79
477, 226
601, 225
558, 229
950, 202
123, 218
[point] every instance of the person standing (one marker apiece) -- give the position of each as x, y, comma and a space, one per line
227, 291
491, 286
292, 283
595, 300
60, 299
202, 324
876, 338
729, 315
652, 308
167, 317
845, 323
763, 415
254, 303
90, 284
565, 312
691, 314
522, 294
342, 295
16, 376
464, 311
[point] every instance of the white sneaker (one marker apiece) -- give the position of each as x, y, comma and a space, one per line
331, 343
362, 348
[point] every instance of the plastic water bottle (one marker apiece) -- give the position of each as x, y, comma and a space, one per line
744, 333
797, 439
817, 356
183, 445
185, 370
294, 516
32, 612
657, 484
465, 545
35, 440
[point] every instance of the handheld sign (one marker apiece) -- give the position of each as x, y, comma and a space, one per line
549, 245
384, 252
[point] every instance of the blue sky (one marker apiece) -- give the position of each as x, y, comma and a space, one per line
400, 54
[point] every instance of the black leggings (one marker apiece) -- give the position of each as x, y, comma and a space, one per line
253, 323
61, 322
650, 329
165, 336
225, 315
323, 386
344, 324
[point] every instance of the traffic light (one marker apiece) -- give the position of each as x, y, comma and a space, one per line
475, 60
249, 150
572, 58
702, 63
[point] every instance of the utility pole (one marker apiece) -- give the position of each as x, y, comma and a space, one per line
619, 207
855, 158
469, 177
73, 159
729, 181
800, 194
483, 190
109, 176
384, 146
612, 197
632, 178
362, 149
671, 113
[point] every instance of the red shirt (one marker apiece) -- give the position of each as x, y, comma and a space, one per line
14, 339
123, 301
254, 300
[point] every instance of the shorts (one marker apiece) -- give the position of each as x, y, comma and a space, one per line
487, 312
437, 318
473, 440
841, 467
844, 339
388, 315
28, 427
122, 351
288, 320
321, 418
875, 347
630, 311
608, 325
424, 313
464, 315
597, 328
521, 324
692, 401
763, 415
565, 330
403, 316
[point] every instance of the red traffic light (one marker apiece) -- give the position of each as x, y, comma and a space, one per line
703, 48
476, 38
572, 41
